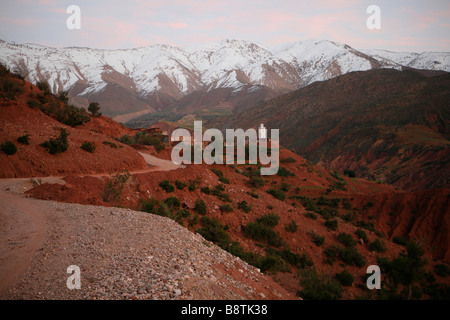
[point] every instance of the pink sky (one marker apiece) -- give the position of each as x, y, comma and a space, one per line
405, 25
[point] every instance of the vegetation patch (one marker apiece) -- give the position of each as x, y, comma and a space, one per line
8, 147
88, 146
167, 186
59, 144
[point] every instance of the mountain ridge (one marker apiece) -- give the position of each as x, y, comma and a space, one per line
154, 77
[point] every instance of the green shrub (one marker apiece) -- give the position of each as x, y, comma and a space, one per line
110, 144
88, 146
352, 257
94, 109
283, 172
270, 207
300, 261
345, 204
224, 180
173, 202
273, 264
213, 230
226, 208
125, 139
71, 115
148, 140
291, 226
200, 206
192, 186
288, 160
377, 245
318, 287
406, 270
44, 86
350, 173
399, 240
269, 219
25, 139
149, 205
253, 194
345, 278
167, 209
311, 215
244, 206
331, 253
8, 147
217, 172
361, 234
331, 224
59, 144
63, 96
442, 270
365, 225
277, 194
10, 89
317, 239
346, 239
255, 181
180, 184
167, 186
33, 104
205, 190
218, 191
261, 232
285, 187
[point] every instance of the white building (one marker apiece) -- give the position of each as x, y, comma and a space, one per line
262, 132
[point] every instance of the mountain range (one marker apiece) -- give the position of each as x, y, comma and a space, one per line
133, 82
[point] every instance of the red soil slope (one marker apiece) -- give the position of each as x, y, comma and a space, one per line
18, 119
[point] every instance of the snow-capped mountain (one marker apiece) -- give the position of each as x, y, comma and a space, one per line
153, 77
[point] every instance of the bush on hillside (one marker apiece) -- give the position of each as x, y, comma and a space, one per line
59, 144
8, 147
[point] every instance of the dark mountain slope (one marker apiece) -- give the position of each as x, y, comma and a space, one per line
383, 124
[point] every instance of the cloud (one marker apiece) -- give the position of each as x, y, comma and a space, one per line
18, 21
172, 25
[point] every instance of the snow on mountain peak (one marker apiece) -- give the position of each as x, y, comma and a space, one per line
225, 63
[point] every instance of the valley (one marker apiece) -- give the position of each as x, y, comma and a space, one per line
234, 233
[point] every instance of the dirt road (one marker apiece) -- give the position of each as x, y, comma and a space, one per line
122, 254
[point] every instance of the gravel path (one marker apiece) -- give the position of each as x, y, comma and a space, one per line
122, 254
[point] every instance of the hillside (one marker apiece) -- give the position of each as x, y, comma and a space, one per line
314, 200
305, 227
18, 119
385, 125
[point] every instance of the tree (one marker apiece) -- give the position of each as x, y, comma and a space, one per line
407, 269
63, 96
94, 109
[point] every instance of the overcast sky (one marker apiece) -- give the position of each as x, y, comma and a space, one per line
406, 25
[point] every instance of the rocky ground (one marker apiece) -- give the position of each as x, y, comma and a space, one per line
122, 254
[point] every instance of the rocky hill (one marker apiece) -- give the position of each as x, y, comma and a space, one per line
385, 125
